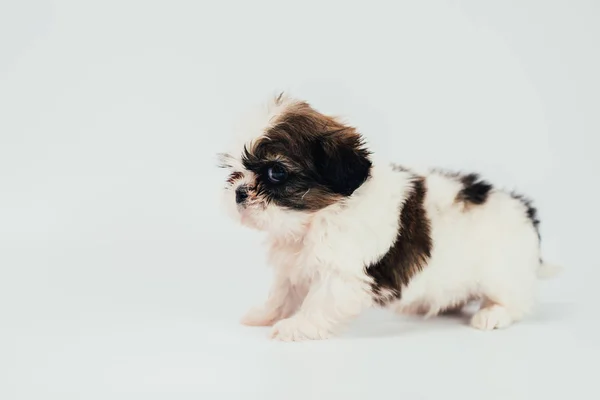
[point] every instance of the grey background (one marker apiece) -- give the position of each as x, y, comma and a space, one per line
120, 277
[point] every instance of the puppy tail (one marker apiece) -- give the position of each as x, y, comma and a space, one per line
547, 271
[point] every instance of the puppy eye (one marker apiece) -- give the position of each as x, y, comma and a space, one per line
276, 174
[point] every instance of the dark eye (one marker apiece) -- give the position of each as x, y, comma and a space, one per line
277, 174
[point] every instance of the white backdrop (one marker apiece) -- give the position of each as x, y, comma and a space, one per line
120, 277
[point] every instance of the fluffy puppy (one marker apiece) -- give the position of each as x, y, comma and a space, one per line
345, 234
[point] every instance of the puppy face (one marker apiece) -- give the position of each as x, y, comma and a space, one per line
298, 162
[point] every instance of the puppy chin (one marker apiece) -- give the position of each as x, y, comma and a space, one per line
228, 205
279, 223
247, 216
250, 218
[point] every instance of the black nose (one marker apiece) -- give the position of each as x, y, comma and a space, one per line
241, 194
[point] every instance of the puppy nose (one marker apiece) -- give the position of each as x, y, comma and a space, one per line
241, 194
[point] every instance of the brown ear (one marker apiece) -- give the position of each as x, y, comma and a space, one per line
342, 161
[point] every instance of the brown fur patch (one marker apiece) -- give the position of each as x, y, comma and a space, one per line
410, 252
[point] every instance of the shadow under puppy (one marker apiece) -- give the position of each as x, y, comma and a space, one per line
345, 234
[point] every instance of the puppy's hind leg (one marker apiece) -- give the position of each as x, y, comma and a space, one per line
504, 305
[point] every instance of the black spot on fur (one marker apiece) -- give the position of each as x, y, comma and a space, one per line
409, 253
475, 190
531, 211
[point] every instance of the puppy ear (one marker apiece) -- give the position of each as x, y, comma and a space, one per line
342, 161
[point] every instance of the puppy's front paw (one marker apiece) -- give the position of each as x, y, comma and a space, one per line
491, 317
258, 316
297, 329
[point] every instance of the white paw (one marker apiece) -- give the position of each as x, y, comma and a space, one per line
259, 317
491, 317
297, 329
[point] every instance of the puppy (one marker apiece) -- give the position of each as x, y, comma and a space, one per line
345, 234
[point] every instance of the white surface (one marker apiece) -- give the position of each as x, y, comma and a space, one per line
121, 279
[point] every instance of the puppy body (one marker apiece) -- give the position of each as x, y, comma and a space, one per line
381, 235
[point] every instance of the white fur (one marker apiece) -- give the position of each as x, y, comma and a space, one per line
488, 252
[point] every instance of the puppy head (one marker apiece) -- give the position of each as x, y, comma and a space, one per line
297, 162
